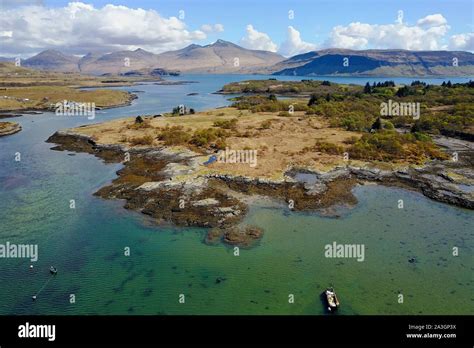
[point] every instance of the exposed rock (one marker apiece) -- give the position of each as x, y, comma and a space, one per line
214, 236
242, 236
205, 202
165, 183
338, 191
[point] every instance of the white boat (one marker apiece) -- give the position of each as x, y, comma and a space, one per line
331, 299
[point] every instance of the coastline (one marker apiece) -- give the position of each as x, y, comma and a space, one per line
166, 184
9, 113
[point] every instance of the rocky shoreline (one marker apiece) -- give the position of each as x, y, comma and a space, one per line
164, 183
9, 128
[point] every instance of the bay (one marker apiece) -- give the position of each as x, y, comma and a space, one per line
87, 244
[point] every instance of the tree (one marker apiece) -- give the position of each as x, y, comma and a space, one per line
367, 88
418, 83
272, 97
403, 91
377, 124
313, 100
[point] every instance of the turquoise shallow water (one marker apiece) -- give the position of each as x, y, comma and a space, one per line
87, 243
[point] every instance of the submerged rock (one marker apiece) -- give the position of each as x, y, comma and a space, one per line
243, 236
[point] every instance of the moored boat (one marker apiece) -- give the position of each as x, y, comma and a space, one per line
331, 299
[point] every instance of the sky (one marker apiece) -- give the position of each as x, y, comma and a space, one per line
287, 27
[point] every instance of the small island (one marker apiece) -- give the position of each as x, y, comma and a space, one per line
305, 152
8, 128
24, 90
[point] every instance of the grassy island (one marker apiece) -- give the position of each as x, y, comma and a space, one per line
24, 89
338, 139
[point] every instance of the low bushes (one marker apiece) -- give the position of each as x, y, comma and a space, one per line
226, 124
174, 135
210, 137
389, 145
144, 140
329, 148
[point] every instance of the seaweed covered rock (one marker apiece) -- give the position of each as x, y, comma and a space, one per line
242, 236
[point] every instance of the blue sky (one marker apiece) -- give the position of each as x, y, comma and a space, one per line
314, 19
313, 23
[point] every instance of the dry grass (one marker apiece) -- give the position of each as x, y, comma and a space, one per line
5, 125
7, 128
41, 97
13, 76
278, 147
21, 83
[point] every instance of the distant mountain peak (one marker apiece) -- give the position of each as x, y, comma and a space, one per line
192, 46
223, 43
52, 60
143, 52
51, 52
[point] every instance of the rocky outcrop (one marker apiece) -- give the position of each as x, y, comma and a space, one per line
148, 184
242, 236
168, 185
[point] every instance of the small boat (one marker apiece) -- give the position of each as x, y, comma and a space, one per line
211, 160
331, 299
53, 270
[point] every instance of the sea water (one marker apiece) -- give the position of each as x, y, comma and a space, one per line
408, 251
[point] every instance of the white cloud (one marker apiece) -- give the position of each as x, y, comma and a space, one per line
462, 42
428, 34
208, 28
79, 28
434, 20
6, 34
294, 44
256, 40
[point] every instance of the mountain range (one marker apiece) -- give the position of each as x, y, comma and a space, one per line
219, 57
378, 63
226, 57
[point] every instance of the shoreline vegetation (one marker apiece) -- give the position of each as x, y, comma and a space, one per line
24, 90
312, 149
